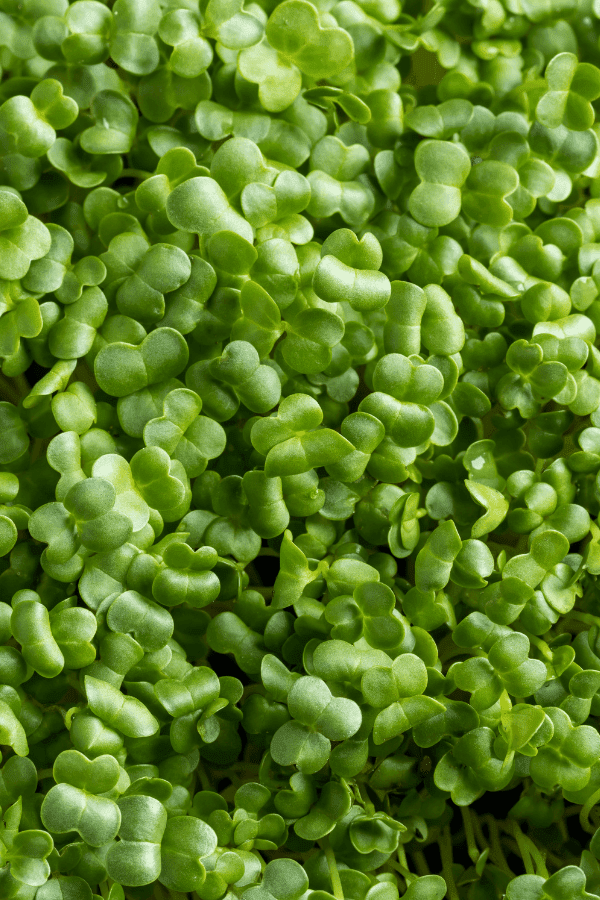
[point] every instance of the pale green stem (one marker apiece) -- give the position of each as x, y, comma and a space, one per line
336, 883
588, 618
369, 808
584, 815
472, 848
420, 862
205, 783
402, 865
479, 835
538, 857
445, 843
402, 856
496, 851
540, 644
519, 837
402, 870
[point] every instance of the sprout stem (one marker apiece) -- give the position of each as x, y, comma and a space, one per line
204, 781
8, 390
584, 815
538, 856
420, 862
496, 851
336, 883
472, 848
535, 863
513, 829
445, 843
540, 644
588, 618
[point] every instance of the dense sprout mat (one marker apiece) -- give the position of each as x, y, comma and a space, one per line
299, 450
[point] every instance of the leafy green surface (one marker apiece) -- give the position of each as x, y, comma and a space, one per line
299, 450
